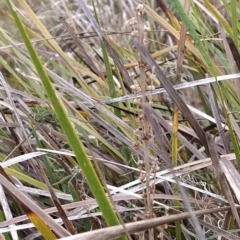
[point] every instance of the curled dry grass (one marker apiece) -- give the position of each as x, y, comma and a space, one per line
193, 144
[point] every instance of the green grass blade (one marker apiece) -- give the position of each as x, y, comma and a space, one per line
109, 73
234, 20
82, 159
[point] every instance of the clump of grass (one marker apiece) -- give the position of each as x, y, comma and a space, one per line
166, 165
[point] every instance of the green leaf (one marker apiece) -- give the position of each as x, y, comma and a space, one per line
82, 159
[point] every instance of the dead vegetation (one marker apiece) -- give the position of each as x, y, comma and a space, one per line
145, 90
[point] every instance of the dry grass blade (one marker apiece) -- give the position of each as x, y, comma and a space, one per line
234, 51
194, 219
221, 178
20, 158
153, 163
158, 133
114, 232
235, 125
27, 202
219, 231
68, 224
110, 128
104, 123
126, 78
173, 94
83, 53
7, 210
232, 176
176, 87
195, 165
9, 125
181, 45
232, 57
104, 183
218, 121
8, 92
89, 202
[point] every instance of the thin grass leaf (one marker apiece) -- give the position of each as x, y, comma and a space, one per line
113, 232
223, 22
174, 163
219, 232
7, 211
197, 48
176, 87
83, 161
221, 179
182, 106
234, 141
109, 73
45, 159
24, 177
41, 220
111, 51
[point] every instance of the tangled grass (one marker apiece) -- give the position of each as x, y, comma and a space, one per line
119, 120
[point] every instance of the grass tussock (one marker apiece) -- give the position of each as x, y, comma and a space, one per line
119, 120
